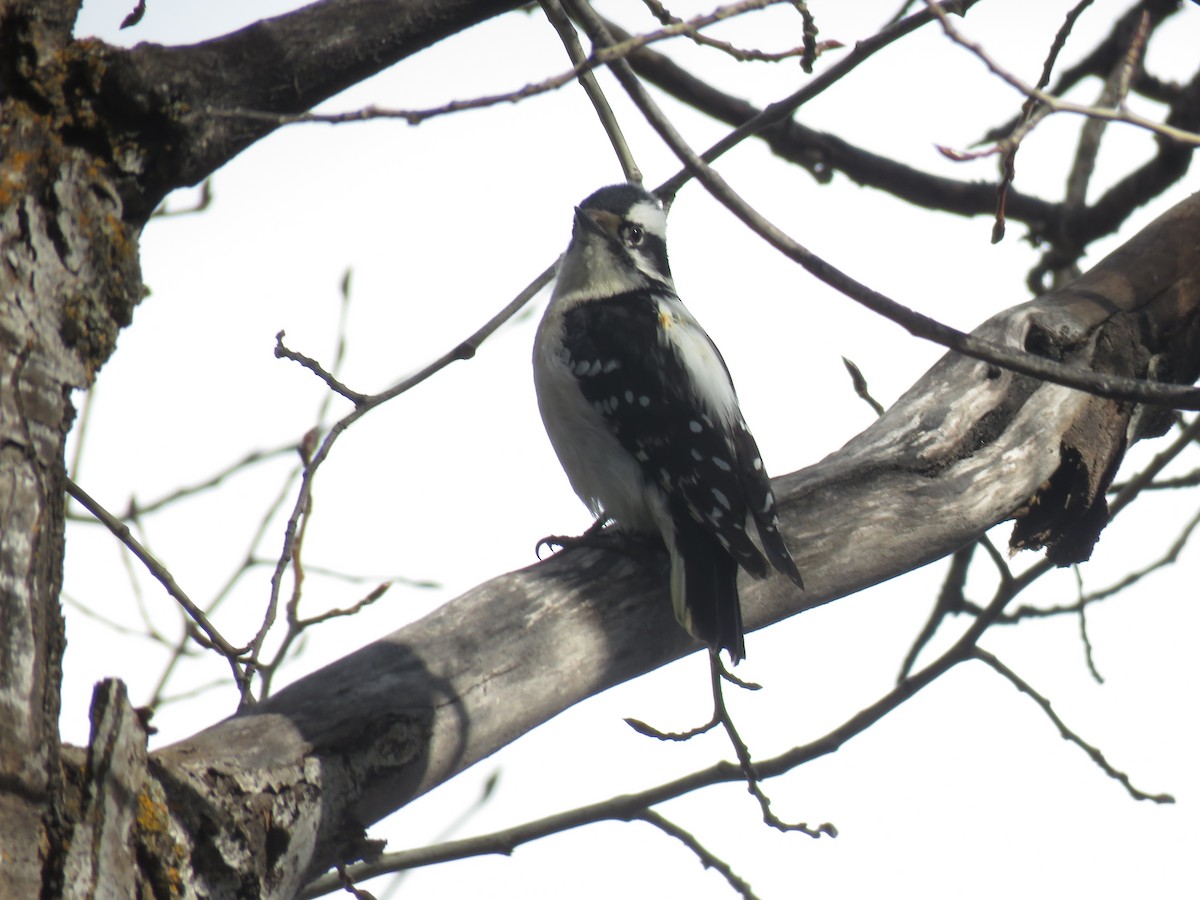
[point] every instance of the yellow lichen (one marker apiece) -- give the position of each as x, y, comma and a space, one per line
152, 815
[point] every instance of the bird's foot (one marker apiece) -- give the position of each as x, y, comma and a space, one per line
593, 537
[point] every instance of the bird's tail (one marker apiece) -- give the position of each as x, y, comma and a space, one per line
776, 550
704, 588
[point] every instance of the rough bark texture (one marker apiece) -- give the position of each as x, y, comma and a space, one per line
92, 138
68, 281
968, 446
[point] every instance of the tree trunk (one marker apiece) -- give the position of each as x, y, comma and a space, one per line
69, 279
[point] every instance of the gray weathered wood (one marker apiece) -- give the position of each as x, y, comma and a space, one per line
968, 446
92, 139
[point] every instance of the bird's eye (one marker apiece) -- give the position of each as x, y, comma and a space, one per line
632, 235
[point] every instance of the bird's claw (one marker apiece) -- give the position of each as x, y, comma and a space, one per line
590, 538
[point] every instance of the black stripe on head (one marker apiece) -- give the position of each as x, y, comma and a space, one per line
618, 198
636, 207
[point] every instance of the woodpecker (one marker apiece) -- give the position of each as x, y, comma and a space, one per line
642, 412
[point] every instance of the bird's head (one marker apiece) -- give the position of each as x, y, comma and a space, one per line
619, 244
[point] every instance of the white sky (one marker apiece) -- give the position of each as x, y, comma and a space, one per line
967, 789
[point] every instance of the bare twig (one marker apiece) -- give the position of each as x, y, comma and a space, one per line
347, 885
1112, 95
137, 509
707, 858
753, 781
282, 352
1170, 557
650, 731
1116, 114
1095, 754
417, 116
480, 801
148, 633
1187, 436
1031, 114
463, 351
808, 51
160, 572
951, 599
1099, 383
860, 386
226, 590
780, 110
296, 626
587, 80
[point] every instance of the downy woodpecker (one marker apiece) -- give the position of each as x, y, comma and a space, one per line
642, 413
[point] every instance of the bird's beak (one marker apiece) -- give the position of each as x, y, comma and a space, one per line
597, 221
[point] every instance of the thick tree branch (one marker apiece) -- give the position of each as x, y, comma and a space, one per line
968, 446
152, 97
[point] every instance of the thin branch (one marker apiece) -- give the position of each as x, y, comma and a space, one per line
486, 793
226, 590
860, 386
753, 781
707, 858
136, 509
1082, 602
1100, 60
283, 352
951, 599
587, 80
1112, 95
1089, 655
1098, 383
296, 626
1096, 756
1117, 114
149, 634
417, 116
463, 351
1187, 436
808, 51
755, 122
160, 572
1031, 114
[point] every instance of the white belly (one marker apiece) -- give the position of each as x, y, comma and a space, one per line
606, 477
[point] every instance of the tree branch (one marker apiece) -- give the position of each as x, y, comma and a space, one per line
966, 447
286, 64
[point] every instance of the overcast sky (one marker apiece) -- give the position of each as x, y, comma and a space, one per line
967, 790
